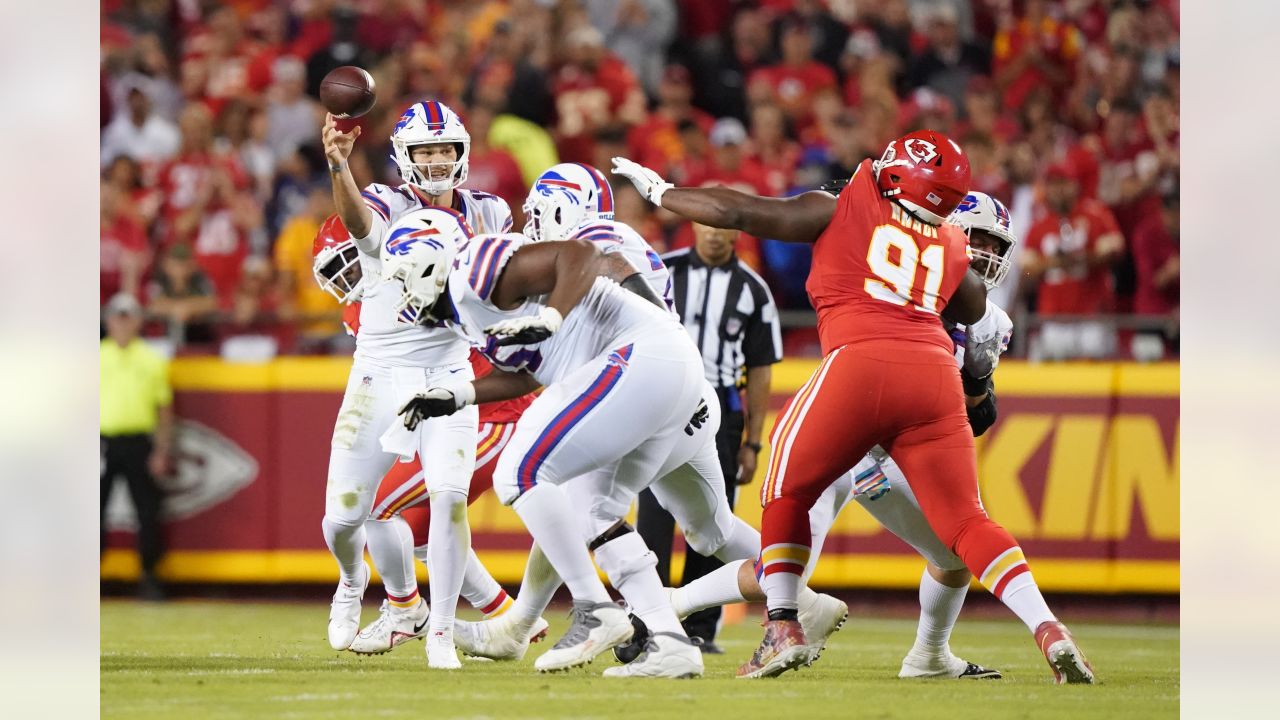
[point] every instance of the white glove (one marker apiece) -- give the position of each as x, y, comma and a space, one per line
527, 330
436, 402
985, 340
649, 183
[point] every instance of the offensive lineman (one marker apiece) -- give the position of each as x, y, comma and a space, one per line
885, 267
393, 361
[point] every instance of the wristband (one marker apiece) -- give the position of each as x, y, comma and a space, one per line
753, 446
973, 386
334, 169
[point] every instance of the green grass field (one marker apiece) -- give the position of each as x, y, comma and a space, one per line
196, 660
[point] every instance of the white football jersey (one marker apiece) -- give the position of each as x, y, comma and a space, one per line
606, 317
611, 236
980, 345
382, 338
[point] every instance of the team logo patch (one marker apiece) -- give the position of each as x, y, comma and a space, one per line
406, 118
732, 326
553, 182
921, 151
968, 204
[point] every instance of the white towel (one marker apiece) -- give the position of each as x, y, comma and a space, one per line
399, 440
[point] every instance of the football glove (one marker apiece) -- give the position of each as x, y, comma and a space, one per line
649, 183
436, 402
699, 418
527, 330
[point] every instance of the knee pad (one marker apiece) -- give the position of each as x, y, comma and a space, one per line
623, 557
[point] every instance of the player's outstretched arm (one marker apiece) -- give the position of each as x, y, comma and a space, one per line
801, 218
969, 302
563, 271
503, 385
356, 216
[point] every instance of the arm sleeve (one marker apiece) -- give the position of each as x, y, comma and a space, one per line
762, 342
983, 415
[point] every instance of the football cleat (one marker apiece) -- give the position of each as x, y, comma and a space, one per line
782, 649
631, 649
595, 628
344, 612
820, 619
497, 638
441, 654
1064, 656
943, 664
666, 655
393, 627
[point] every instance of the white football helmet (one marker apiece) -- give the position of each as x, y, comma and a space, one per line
418, 253
980, 211
428, 123
565, 197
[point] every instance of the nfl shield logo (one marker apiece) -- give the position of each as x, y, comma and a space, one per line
733, 326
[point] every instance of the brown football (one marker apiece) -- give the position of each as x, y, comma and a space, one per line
347, 92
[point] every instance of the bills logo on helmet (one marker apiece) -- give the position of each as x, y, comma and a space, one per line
406, 118
553, 182
922, 151
968, 204
404, 238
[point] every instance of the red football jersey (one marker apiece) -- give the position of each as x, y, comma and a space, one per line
1074, 289
504, 411
878, 273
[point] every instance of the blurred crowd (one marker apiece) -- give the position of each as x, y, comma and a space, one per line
214, 184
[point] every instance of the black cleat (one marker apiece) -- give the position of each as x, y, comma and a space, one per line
631, 649
975, 671
708, 647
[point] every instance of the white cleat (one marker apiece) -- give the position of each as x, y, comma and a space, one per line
666, 655
394, 626
943, 664
344, 612
820, 620
441, 655
499, 638
596, 627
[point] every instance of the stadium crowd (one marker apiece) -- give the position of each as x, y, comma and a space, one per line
214, 185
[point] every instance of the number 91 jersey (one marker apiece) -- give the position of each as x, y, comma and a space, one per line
879, 273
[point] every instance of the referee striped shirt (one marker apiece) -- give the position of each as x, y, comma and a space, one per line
729, 312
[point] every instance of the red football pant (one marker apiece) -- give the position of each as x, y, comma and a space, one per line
906, 397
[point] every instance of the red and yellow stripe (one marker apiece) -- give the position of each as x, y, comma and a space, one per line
784, 557
1007, 565
787, 425
405, 500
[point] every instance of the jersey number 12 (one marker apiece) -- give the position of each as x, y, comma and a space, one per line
899, 277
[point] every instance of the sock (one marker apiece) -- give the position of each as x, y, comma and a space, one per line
481, 590
631, 567
785, 551
538, 586
346, 542
1023, 597
939, 607
716, 588
391, 547
549, 515
450, 539
743, 542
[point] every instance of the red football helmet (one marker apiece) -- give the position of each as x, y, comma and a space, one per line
926, 172
336, 261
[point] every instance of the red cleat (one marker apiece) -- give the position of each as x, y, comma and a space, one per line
1068, 663
783, 648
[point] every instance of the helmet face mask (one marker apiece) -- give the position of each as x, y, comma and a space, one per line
429, 124
337, 270
985, 221
564, 198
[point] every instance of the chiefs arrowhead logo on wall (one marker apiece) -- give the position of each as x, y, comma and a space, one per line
209, 469
922, 151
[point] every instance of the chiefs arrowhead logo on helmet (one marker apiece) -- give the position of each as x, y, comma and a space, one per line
922, 151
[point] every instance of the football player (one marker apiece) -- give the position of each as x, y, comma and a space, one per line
622, 405
402, 492
573, 200
885, 267
878, 485
393, 361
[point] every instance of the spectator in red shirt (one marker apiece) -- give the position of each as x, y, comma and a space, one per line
1128, 169
207, 203
657, 139
493, 169
1070, 251
771, 149
1034, 49
123, 249
793, 82
1157, 266
593, 89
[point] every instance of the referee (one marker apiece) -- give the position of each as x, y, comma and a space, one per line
728, 311
136, 427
